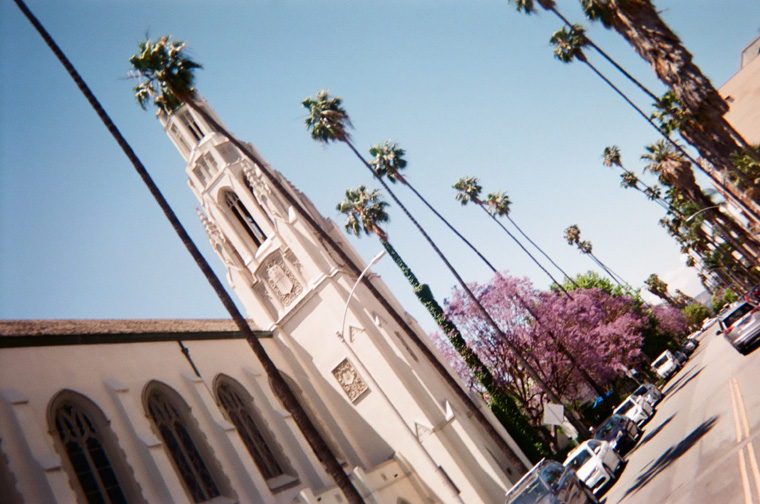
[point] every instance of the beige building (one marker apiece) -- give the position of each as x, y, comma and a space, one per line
181, 411
742, 92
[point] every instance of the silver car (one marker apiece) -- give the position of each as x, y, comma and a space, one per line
637, 409
740, 325
648, 392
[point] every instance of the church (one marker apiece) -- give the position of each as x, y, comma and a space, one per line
181, 411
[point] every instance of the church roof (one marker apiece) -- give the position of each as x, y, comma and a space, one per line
20, 333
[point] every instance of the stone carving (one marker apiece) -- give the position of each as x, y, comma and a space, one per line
281, 281
223, 248
262, 192
350, 380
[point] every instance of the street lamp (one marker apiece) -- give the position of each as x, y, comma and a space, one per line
356, 284
406, 432
704, 209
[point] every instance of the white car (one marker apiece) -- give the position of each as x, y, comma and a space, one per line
648, 392
666, 364
637, 409
595, 463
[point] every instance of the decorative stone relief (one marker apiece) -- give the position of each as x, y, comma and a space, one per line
280, 280
353, 332
350, 380
262, 192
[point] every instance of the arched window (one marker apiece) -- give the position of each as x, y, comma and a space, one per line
192, 126
93, 456
184, 442
244, 218
259, 441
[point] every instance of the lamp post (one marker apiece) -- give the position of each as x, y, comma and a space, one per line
356, 284
703, 210
446, 484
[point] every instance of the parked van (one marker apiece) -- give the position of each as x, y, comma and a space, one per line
666, 364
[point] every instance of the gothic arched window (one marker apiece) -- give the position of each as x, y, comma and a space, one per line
192, 126
244, 218
93, 456
259, 441
184, 442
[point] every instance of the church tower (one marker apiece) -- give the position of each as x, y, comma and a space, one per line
377, 398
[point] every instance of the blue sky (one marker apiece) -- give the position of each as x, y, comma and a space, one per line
464, 87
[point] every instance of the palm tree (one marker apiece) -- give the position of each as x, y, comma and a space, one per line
660, 289
364, 212
573, 237
336, 119
611, 157
673, 170
602, 10
469, 189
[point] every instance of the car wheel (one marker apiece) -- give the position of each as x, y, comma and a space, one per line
590, 497
610, 472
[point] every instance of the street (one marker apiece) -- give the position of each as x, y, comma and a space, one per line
701, 446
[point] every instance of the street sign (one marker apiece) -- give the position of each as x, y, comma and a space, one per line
554, 414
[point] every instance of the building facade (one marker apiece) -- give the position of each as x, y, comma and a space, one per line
179, 411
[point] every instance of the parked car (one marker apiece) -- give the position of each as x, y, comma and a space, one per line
621, 432
648, 392
688, 346
595, 462
635, 408
549, 482
665, 365
740, 325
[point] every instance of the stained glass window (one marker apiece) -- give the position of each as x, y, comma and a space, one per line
84, 437
249, 426
182, 447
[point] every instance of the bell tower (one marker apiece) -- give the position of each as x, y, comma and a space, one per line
377, 398
270, 257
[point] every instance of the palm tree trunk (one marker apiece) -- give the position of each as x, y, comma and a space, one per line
448, 224
281, 389
574, 419
569, 278
559, 285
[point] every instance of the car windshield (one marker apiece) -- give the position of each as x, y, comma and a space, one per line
624, 408
605, 429
737, 314
640, 391
532, 494
659, 362
581, 458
